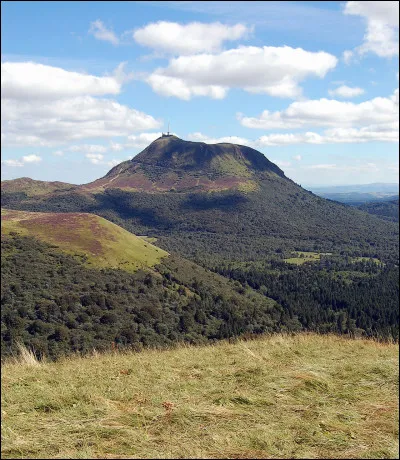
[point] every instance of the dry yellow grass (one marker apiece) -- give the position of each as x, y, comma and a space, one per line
303, 396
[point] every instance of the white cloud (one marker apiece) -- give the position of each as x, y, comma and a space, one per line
276, 71
46, 106
22, 161
113, 162
98, 159
59, 121
58, 153
382, 34
347, 56
88, 148
297, 157
50, 106
95, 158
330, 136
99, 30
92, 151
199, 137
346, 91
116, 147
31, 159
141, 140
121, 76
191, 38
375, 118
13, 163
30, 80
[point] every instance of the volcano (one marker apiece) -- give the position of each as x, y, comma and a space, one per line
213, 203
173, 164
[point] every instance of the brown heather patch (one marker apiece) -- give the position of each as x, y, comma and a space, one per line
102, 242
78, 229
138, 181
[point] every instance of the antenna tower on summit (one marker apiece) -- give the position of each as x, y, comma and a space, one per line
168, 133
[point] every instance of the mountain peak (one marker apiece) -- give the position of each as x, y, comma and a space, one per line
171, 163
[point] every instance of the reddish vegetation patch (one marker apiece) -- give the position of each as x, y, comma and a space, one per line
10, 215
138, 181
134, 181
70, 228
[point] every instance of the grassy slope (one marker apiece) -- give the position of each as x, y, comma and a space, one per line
104, 243
303, 396
33, 187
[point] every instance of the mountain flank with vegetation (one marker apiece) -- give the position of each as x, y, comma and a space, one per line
99, 242
387, 210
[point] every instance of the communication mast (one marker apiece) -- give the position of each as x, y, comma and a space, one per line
168, 133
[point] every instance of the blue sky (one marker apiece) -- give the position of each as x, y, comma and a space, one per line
312, 85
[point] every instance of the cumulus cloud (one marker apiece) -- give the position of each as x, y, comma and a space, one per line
276, 71
99, 31
382, 34
329, 136
346, 91
134, 141
142, 139
98, 159
22, 161
31, 80
95, 158
378, 116
191, 38
63, 120
199, 137
347, 56
31, 159
89, 148
51, 106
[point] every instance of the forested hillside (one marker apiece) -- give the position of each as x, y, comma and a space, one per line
388, 210
53, 303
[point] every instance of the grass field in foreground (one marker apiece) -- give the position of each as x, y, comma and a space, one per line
303, 396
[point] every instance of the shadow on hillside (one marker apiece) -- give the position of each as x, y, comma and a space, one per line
223, 202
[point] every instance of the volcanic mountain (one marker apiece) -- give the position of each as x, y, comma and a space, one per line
217, 203
170, 163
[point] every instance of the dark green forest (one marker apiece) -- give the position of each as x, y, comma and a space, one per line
333, 295
387, 210
54, 304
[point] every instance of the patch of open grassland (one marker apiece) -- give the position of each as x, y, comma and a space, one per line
303, 396
301, 257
